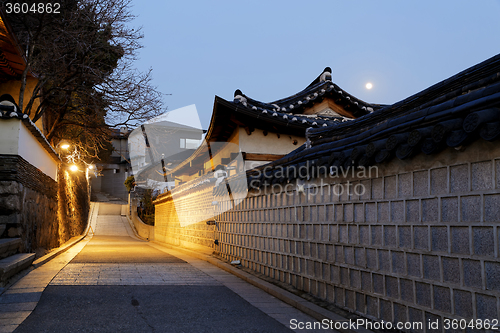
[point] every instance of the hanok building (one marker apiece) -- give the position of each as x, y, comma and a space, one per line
12, 65
265, 132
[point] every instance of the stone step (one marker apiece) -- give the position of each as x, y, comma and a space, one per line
9, 246
14, 264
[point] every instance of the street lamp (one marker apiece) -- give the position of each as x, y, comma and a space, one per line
90, 169
62, 145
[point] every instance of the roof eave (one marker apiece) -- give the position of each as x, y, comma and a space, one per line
15, 42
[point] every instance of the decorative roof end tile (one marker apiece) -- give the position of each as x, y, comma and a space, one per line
327, 75
239, 97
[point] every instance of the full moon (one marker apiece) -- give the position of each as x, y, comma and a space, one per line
369, 85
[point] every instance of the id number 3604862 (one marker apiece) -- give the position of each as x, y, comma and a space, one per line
487, 324
32, 8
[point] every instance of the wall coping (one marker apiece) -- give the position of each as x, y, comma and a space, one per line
21, 137
37, 133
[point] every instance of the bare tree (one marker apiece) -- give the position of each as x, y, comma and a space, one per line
83, 57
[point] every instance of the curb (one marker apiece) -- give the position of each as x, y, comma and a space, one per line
49, 256
136, 234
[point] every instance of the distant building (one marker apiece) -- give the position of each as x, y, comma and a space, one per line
112, 175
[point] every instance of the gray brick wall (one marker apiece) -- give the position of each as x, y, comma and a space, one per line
421, 243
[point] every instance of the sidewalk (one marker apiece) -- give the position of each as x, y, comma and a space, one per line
115, 282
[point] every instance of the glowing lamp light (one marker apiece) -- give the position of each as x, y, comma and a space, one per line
73, 167
65, 146
91, 167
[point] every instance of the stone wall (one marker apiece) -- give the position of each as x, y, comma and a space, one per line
30, 207
73, 204
169, 227
422, 242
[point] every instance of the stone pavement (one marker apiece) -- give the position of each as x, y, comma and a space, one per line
114, 282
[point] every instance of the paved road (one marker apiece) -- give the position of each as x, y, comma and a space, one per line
118, 283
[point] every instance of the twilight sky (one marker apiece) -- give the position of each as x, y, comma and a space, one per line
274, 49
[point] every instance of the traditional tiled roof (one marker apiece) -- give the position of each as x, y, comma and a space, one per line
262, 117
452, 113
291, 109
12, 59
